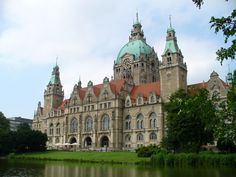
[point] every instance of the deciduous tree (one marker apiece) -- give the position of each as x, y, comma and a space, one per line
190, 121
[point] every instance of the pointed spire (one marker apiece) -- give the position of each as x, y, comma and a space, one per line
170, 21
56, 60
79, 83
137, 22
170, 27
137, 32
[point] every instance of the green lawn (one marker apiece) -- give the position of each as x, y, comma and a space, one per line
92, 156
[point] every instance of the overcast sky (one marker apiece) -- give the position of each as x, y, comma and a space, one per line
87, 36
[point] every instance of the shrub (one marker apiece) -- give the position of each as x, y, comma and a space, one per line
226, 145
148, 151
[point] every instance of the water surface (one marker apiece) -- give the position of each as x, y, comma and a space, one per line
34, 168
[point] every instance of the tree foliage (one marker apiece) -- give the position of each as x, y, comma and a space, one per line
4, 134
190, 121
226, 128
28, 140
226, 25
23, 140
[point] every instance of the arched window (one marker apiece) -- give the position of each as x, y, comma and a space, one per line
128, 122
140, 121
127, 138
153, 120
73, 125
153, 136
57, 140
89, 124
58, 130
140, 137
51, 129
127, 103
140, 100
105, 122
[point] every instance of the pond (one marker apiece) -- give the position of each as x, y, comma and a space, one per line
33, 168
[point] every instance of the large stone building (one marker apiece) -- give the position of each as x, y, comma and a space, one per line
125, 112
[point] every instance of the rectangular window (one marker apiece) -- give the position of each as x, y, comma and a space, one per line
109, 104
92, 107
100, 106
105, 105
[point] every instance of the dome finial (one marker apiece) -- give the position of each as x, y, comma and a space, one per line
137, 19
137, 16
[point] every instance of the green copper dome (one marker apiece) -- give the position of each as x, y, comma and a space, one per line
136, 48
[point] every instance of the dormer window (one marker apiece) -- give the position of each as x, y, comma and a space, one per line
140, 100
127, 102
152, 98
105, 94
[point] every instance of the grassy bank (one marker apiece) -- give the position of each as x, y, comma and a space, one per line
93, 156
194, 160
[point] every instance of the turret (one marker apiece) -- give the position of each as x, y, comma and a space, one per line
137, 62
173, 71
53, 95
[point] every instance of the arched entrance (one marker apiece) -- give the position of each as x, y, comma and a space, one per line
104, 141
88, 142
73, 140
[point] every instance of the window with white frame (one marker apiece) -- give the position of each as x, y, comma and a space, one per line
105, 122
73, 125
140, 121
89, 124
153, 120
128, 122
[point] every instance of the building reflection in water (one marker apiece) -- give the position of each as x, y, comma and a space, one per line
65, 169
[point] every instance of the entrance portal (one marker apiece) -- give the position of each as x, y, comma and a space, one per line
104, 141
73, 140
88, 142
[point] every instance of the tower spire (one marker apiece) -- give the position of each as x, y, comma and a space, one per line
170, 21
56, 60
137, 21
137, 32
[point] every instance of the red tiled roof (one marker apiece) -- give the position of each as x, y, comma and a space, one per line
117, 86
97, 89
205, 85
82, 92
199, 85
225, 84
62, 107
145, 90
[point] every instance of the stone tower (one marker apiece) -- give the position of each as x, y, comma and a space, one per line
53, 95
173, 71
136, 62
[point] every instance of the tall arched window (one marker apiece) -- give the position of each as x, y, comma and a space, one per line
140, 119
127, 138
105, 122
153, 136
89, 124
153, 120
140, 137
58, 130
128, 122
51, 129
57, 140
73, 125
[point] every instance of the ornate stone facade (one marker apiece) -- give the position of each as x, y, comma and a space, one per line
124, 113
